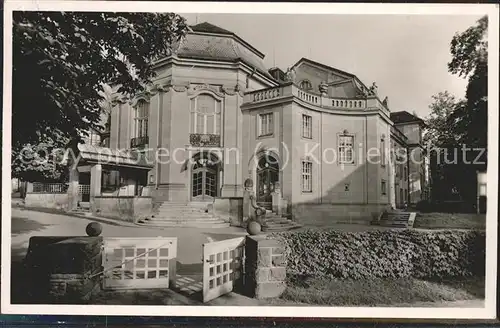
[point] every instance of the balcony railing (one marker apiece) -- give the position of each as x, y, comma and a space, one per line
139, 142
204, 140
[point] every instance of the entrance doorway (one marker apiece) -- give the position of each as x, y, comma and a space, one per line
267, 177
204, 178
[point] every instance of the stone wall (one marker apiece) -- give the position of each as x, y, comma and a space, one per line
60, 269
265, 267
46, 200
322, 215
229, 209
122, 208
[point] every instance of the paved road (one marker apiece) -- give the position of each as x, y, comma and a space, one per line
26, 223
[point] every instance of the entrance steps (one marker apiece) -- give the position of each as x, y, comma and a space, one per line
275, 223
182, 214
396, 219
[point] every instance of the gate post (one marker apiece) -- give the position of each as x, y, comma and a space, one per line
265, 267
64, 269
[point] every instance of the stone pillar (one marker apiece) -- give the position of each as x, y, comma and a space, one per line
392, 183
73, 189
277, 202
95, 181
29, 187
265, 267
248, 211
60, 269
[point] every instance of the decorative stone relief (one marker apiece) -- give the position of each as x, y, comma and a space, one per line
373, 89
323, 88
179, 88
290, 75
385, 102
231, 91
193, 89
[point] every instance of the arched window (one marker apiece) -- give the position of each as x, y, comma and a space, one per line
141, 119
306, 85
205, 115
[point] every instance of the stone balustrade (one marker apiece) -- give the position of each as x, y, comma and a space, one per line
369, 102
263, 95
307, 97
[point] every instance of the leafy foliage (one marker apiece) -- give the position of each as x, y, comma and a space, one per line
454, 123
384, 254
60, 60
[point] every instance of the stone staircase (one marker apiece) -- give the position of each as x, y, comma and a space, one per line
396, 219
275, 223
184, 215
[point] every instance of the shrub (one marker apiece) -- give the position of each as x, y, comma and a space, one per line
424, 206
384, 254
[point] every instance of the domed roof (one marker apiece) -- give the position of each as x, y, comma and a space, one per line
207, 41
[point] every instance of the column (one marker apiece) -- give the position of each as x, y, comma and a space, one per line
392, 181
73, 189
95, 181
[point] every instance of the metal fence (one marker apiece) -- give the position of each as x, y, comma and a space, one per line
50, 188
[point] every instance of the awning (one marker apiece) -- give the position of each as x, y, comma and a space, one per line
116, 157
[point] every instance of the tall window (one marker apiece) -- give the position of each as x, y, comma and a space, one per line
346, 149
382, 152
266, 124
141, 119
205, 115
306, 176
383, 187
307, 126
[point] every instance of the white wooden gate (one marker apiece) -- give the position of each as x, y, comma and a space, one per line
222, 267
136, 263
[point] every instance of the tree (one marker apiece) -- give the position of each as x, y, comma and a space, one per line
60, 61
454, 124
469, 51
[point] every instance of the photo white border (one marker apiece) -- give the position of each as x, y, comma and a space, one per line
488, 312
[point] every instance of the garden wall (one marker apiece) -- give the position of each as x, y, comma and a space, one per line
46, 200
384, 254
126, 208
229, 209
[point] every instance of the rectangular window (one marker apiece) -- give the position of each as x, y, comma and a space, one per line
266, 124
383, 187
306, 176
346, 149
405, 173
382, 152
141, 119
307, 126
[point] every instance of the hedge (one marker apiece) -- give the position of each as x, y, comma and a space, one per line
384, 254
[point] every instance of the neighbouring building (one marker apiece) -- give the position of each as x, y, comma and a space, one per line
216, 116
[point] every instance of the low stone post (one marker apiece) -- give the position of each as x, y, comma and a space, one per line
64, 269
265, 267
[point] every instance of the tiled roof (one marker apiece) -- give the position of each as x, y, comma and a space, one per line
210, 28
404, 117
223, 45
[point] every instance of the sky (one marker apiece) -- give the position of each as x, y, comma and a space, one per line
406, 55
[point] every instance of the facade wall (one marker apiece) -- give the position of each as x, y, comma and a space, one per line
351, 191
169, 129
